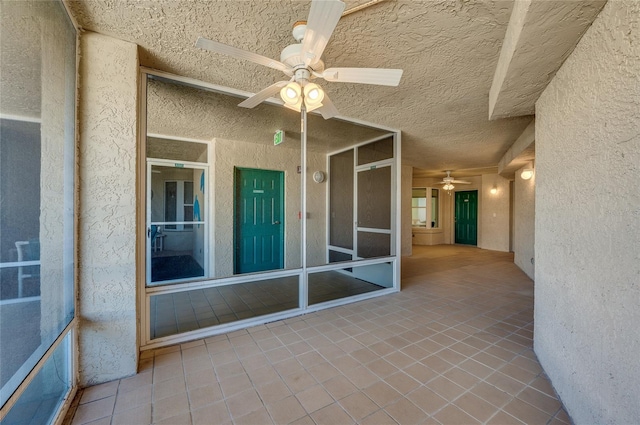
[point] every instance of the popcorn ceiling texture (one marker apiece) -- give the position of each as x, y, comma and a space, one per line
587, 213
448, 50
107, 209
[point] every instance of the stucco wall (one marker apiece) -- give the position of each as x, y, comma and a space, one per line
107, 209
230, 154
524, 223
587, 222
493, 213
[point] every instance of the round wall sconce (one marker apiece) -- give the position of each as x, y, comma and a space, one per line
526, 174
318, 177
494, 190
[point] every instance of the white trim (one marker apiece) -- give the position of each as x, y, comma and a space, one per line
339, 249
20, 118
172, 163
178, 138
373, 230
304, 283
169, 223
396, 214
350, 264
143, 214
374, 165
19, 264
19, 300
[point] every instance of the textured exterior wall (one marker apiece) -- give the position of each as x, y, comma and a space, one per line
493, 213
587, 222
405, 211
524, 223
107, 115
230, 154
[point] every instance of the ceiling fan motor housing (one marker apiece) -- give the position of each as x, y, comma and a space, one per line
292, 56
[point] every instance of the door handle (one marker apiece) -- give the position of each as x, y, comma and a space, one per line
276, 222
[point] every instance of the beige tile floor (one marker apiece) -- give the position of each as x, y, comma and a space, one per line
453, 347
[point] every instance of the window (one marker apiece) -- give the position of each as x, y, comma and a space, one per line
37, 163
425, 207
178, 204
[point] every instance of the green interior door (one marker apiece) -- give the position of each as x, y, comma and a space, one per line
466, 217
259, 220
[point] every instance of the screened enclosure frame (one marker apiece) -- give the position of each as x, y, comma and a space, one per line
150, 294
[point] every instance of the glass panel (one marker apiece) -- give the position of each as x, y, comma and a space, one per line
42, 399
347, 282
419, 207
373, 244
201, 308
434, 208
176, 150
341, 200
336, 256
37, 162
188, 193
374, 198
376, 151
170, 208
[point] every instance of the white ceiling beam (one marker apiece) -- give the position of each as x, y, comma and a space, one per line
540, 36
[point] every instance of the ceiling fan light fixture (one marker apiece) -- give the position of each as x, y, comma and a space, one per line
291, 97
313, 96
448, 186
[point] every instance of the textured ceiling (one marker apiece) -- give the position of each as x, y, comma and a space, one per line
448, 50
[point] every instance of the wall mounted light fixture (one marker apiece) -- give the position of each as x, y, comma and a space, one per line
526, 174
494, 190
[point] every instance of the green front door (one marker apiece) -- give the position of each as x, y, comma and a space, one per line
466, 217
259, 220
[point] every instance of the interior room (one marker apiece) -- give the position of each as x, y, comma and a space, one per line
392, 212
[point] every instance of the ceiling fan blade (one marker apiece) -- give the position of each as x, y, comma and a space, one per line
323, 18
460, 182
378, 76
234, 52
328, 109
263, 95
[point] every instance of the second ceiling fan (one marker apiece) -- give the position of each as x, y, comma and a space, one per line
448, 182
302, 62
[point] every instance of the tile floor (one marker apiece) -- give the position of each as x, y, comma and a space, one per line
453, 347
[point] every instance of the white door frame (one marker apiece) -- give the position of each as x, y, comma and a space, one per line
205, 219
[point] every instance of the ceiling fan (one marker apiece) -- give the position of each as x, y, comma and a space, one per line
302, 62
448, 181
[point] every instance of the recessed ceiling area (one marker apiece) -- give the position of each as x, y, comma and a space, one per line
449, 51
